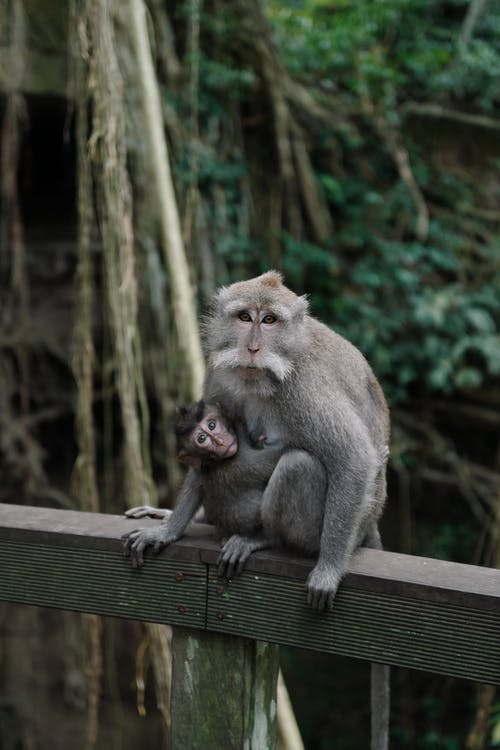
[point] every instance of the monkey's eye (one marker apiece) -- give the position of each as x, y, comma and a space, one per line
245, 317
269, 319
201, 438
212, 424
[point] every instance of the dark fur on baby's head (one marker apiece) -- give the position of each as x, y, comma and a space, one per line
186, 419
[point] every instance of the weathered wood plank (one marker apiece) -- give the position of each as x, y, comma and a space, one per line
73, 560
90, 530
392, 573
396, 609
397, 629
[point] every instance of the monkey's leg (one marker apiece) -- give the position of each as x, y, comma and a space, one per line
237, 550
350, 508
293, 501
372, 539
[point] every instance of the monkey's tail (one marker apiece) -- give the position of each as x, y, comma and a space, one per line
380, 706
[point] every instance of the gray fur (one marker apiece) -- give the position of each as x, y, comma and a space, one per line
331, 407
231, 490
327, 431
322, 400
233, 513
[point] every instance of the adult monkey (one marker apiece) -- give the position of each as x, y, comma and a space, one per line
315, 393
318, 397
319, 401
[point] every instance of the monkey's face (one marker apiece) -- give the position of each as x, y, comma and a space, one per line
257, 335
257, 330
212, 439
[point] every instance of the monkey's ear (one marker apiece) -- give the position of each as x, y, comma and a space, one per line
274, 279
301, 306
187, 458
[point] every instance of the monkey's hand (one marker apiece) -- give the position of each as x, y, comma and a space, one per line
147, 511
136, 542
235, 553
322, 586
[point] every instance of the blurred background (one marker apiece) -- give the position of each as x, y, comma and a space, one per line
352, 144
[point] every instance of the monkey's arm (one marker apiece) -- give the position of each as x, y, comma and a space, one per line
136, 542
147, 511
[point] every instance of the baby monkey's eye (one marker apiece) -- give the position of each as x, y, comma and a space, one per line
212, 424
269, 319
201, 438
245, 317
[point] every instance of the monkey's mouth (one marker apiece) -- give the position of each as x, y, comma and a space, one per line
251, 370
232, 449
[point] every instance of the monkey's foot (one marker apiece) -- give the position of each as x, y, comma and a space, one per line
322, 586
147, 511
235, 553
136, 542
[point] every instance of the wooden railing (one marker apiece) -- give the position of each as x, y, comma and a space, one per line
394, 609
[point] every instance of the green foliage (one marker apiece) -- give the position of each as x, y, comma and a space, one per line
434, 707
411, 44
424, 309
447, 540
417, 320
495, 726
434, 740
426, 312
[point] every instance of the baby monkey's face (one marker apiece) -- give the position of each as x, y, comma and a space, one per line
213, 438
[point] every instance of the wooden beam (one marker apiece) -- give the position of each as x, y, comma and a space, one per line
223, 692
396, 609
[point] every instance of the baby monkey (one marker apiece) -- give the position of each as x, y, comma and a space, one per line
231, 469
204, 435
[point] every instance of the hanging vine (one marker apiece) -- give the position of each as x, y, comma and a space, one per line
17, 445
108, 154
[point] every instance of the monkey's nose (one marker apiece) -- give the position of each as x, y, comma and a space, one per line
252, 350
